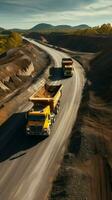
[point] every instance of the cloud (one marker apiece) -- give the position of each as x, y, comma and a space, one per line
27, 13
43, 5
100, 5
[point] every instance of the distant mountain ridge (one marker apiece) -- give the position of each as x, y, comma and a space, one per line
1, 29
44, 26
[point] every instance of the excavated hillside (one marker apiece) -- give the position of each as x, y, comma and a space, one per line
19, 67
74, 42
86, 170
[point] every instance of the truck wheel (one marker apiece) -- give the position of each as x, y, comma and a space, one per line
53, 120
56, 111
58, 107
48, 131
58, 103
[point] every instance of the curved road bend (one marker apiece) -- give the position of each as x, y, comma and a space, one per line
28, 165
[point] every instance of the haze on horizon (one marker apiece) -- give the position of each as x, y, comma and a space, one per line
27, 13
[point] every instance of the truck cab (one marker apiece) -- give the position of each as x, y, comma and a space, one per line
39, 121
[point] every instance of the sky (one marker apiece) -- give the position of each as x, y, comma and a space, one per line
27, 13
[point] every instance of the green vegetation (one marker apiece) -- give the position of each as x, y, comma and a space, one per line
3, 42
105, 29
10, 41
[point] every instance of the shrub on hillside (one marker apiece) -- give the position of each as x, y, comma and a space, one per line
14, 40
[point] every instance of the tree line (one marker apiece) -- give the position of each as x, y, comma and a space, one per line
10, 41
104, 29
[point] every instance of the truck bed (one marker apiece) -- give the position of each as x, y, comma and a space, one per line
43, 93
46, 91
47, 95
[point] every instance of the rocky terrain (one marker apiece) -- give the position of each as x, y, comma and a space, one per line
19, 70
86, 170
20, 66
82, 43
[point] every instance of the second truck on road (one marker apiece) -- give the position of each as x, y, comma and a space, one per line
67, 66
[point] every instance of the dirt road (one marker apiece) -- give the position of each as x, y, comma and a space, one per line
28, 164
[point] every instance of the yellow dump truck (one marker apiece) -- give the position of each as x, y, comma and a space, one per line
46, 103
67, 66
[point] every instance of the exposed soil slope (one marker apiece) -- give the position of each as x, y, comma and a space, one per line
86, 171
100, 75
74, 42
20, 66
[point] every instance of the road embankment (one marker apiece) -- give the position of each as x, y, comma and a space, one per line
86, 170
21, 68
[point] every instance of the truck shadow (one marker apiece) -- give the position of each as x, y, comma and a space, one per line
56, 73
14, 142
